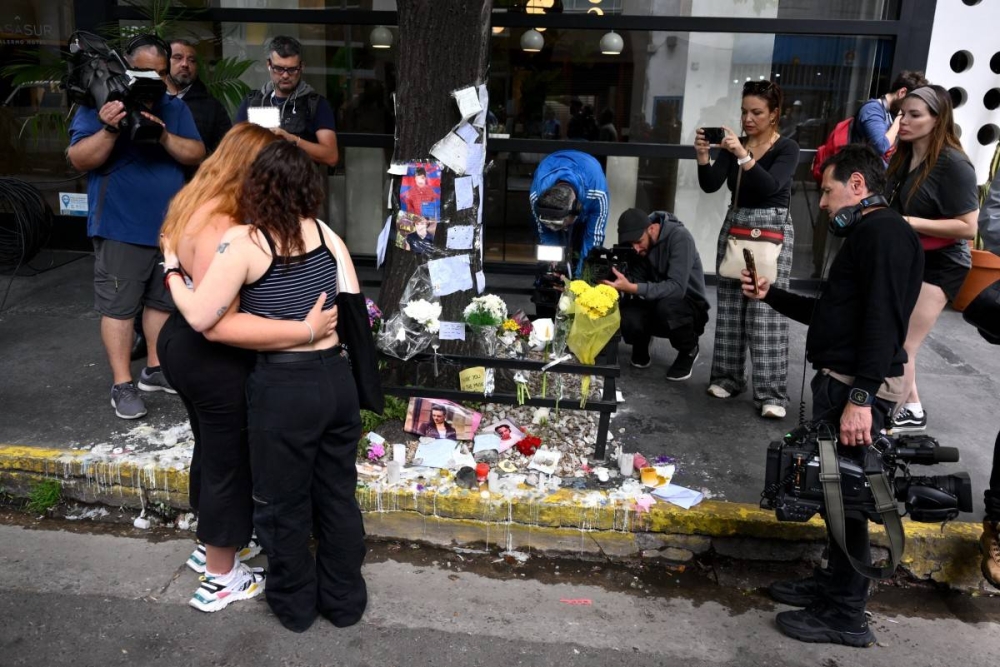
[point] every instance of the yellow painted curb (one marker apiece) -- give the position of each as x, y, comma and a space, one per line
560, 523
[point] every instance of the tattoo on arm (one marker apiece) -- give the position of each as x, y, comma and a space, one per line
221, 311
223, 246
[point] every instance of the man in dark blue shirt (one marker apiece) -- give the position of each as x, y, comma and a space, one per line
877, 121
306, 118
129, 186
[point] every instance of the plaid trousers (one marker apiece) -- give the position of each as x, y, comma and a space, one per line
742, 323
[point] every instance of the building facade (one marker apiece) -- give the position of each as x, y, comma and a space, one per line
626, 80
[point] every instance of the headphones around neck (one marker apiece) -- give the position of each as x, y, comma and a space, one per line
844, 220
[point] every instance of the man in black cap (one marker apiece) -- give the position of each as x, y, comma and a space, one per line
672, 304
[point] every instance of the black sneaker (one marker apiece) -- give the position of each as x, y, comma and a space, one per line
640, 358
817, 624
681, 368
905, 421
800, 592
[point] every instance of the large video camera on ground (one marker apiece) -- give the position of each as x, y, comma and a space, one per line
98, 75
794, 487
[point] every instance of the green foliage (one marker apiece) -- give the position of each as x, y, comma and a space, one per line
222, 79
370, 421
44, 496
395, 408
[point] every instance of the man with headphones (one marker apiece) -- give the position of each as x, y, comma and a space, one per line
857, 326
129, 185
569, 199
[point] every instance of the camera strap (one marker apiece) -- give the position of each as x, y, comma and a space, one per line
885, 505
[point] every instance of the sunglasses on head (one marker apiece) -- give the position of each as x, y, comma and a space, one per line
277, 69
757, 87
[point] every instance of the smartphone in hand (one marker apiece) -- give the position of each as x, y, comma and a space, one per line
752, 268
714, 135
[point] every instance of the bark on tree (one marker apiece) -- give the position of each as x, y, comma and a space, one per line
443, 46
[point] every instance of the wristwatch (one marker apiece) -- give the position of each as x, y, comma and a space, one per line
743, 160
111, 129
861, 397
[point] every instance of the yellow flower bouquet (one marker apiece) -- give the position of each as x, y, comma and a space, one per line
596, 320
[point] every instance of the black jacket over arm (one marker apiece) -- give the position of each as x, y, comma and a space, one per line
858, 324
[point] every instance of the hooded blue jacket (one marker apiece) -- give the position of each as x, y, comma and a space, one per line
584, 174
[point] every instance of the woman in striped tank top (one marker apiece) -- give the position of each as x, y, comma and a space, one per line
303, 414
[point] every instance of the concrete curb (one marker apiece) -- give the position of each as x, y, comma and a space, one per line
561, 524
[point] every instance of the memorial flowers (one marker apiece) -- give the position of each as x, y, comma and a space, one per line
425, 313
596, 320
487, 310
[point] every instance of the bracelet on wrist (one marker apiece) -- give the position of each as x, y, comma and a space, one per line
312, 334
111, 129
167, 272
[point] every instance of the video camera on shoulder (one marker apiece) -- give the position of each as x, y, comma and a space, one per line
794, 490
98, 75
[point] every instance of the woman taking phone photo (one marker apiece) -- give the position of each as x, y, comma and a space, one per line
758, 169
933, 185
210, 377
303, 414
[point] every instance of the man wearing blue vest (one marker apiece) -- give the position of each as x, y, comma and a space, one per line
305, 116
129, 185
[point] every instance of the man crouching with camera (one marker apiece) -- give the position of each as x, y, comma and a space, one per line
857, 326
671, 303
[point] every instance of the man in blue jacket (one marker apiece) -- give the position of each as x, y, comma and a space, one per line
569, 191
877, 121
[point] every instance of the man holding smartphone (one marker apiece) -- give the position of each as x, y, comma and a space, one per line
857, 326
671, 303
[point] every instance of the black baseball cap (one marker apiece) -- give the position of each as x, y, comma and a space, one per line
631, 225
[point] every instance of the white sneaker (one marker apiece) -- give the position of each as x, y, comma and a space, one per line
717, 391
196, 561
245, 583
772, 412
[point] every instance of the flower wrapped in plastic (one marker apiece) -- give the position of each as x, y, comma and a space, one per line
412, 329
596, 319
485, 314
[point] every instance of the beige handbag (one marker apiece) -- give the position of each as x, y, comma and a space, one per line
765, 244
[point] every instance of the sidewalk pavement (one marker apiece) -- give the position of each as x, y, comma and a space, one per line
56, 420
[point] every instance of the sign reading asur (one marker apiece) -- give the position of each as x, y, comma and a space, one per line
18, 29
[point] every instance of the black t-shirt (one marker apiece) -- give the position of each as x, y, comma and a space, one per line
950, 190
767, 185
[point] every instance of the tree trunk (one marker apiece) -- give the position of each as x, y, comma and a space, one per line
443, 46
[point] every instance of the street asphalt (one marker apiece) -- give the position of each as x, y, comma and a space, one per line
54, 390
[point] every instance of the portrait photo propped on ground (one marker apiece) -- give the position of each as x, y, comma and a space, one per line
441, 419
508, 432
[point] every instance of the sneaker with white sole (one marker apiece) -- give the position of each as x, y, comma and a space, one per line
772, 412
243, 583
154, 381
127, 402
196, 561
640, 360
718, 392
905, 421
682, 367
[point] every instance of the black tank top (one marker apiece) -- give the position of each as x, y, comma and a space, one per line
288, 290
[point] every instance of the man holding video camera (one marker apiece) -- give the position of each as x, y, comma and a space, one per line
670, 298
857, 326
134, 169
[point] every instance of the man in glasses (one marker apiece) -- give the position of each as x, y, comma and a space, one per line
305, 116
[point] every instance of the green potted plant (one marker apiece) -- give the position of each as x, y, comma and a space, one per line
985, 265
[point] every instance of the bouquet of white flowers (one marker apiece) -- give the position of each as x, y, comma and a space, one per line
487, 310
425, 313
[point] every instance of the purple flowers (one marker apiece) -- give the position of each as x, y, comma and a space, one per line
374, 314
375, 451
